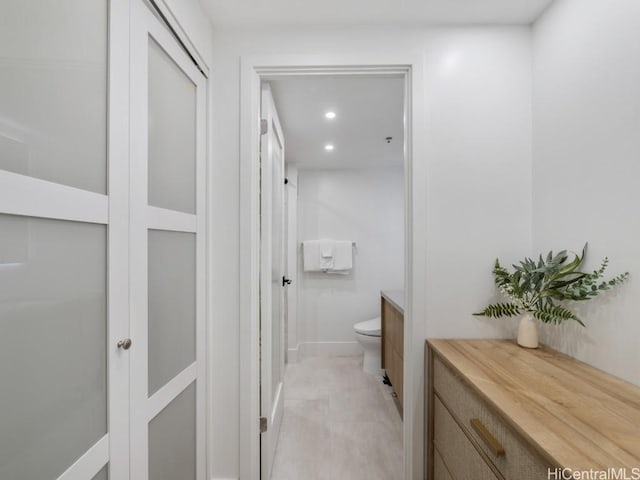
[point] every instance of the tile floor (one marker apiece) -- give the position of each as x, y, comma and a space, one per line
339, 424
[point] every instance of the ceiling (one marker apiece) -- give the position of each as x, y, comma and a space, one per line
368, 109
226, 14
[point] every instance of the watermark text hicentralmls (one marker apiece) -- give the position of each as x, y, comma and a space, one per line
612, 473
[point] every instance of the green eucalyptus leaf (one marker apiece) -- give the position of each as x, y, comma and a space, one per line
499, 310
534, 284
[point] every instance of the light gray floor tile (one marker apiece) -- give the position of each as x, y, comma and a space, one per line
339, 423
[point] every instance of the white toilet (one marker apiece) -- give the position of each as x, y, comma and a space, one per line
368, 334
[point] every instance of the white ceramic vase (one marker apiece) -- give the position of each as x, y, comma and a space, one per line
528, 331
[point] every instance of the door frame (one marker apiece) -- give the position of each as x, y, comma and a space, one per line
253, 70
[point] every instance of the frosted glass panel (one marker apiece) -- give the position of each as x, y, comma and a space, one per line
172, 134
53, 370
53, 90
172, 305
102, 474
172, 439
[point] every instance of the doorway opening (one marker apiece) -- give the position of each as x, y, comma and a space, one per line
332, 278
368, 171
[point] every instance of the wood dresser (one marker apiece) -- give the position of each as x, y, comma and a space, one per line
392, 319
498, 411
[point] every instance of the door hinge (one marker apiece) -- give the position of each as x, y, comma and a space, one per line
264, 126
286, 181
263, 424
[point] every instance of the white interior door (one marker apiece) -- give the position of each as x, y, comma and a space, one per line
272, 225
167, 255
64, 382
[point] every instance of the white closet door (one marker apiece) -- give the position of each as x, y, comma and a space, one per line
167, 255
272, 281
63, 400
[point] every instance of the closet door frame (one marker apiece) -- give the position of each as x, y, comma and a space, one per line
144, 217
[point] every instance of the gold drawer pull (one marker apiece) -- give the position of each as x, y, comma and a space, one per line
489, 440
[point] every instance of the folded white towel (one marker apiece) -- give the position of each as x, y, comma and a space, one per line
327, 251
311, 256
327, 248
343, 260
313, 259
328, 256
326, 263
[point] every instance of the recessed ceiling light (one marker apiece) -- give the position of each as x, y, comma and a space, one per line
330, 115
328, 147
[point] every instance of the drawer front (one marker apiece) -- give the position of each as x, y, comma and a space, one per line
463, 460
517, 461
440, 470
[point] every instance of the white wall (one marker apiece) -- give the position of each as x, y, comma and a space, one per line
365, 206
477, 82
587, 165
478, 137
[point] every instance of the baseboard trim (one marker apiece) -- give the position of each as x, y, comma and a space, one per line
293, 354
328, 349
225, 478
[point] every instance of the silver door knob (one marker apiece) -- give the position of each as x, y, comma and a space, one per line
125, 344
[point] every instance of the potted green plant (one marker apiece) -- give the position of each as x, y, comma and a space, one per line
534, 288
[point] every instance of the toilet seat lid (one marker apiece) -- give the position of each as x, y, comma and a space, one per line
369, 327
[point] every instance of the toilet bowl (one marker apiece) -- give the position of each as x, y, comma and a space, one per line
368, 334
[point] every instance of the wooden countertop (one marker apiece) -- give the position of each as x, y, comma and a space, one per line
395, 298
575, 415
